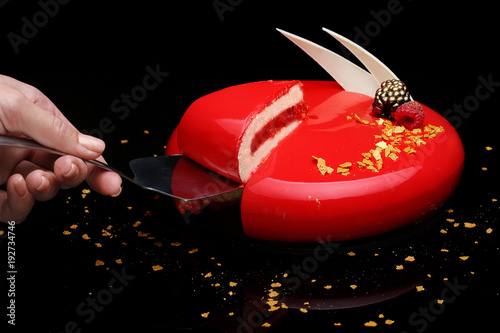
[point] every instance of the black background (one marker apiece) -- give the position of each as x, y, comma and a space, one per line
87, 54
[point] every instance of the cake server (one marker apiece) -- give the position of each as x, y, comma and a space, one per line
175, 176
350, 76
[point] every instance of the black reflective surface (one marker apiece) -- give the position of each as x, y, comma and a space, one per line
84, 263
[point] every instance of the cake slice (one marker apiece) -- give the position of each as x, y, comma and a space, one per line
233, 130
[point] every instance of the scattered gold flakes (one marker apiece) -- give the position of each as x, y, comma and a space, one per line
469, 225
410, 259
371, 323
328, 286
209, 274
205, 315
159, 244
443, 231
273, 293
353, 286
464, 258
233, 284
98, 244
106, 233
66, 232
321, 164
399, 267
175, 244
389, 322
99, 263
266, 324
420, 288
74, 226
157, 268
193, 251
381, 315
85, 236
142, 234
489, 231
276, 285
450, 220
136, 224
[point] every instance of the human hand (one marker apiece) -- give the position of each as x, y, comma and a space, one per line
30, 175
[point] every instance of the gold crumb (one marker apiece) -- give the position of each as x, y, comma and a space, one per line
276, 285
136, 224
303, 310
66, 232
464, 258
328, 286
99, 263
74, 226
123, 142
389, 322
98, 244
266, 324
488, 148
371, 323
119, 261
489, 231
233, 284
353, 286
410, 259
420, 288
469, 225
205, 315
399, 267
209, 274
175, 244
157, 268
351, 254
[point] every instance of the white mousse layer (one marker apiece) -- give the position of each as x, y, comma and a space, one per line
248, 162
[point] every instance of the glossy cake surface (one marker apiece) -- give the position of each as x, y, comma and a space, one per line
288, 199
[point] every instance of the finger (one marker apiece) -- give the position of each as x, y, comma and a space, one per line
42, 184
20, 115
16, 202
103, 181
70, 171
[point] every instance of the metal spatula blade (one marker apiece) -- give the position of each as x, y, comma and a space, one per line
175, 176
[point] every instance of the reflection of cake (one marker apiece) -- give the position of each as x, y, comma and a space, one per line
381, 176
233, 130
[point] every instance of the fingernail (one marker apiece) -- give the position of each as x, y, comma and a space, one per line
43, 184
117, 194
18, 187
90, 143
73, 171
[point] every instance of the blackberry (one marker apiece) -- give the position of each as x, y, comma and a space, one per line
390, 95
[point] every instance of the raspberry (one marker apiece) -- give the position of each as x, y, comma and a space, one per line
410, 115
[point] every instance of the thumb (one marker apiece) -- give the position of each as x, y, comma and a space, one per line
49, 129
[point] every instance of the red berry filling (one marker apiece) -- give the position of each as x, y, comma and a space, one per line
410, 115
296, 112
